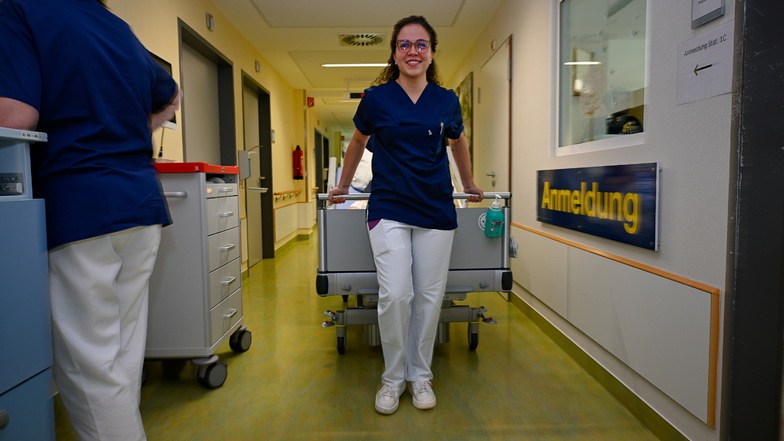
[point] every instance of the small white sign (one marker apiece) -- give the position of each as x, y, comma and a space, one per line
705, 64
703, 11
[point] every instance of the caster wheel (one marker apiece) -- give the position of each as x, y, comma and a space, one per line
341, 345
240, 341
473, 341
212, 376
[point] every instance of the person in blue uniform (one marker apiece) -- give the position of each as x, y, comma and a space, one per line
74, 70
411, 213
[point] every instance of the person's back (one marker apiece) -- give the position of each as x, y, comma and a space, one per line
94, 97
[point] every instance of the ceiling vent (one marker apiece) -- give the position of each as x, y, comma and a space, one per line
361, 40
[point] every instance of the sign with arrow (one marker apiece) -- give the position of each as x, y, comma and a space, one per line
705, 64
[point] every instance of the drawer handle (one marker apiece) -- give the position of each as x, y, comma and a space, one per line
228, 247
225, 189
229, 281
175, 194
226, 214
4, 418
232, 312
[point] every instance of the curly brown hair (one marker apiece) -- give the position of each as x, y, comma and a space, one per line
391, 72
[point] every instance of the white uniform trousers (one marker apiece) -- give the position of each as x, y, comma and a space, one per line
412, 265
98, 290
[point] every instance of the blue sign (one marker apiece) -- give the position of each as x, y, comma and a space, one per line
616, 202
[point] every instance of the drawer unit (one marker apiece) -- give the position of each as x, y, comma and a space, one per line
196, 286
224, 281
223, 247
222, 214
226, 315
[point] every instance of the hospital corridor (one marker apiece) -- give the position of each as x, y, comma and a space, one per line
212, 210
293, 385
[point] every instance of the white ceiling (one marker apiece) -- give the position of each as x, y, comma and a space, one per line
298, 36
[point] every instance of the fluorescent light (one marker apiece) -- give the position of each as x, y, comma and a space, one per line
582, 63
355, 65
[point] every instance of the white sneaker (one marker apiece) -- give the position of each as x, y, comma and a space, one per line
423, 395
387, 399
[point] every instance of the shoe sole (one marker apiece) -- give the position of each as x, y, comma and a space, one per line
422, 405
386, 411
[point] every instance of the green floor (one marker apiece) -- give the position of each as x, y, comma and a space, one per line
293, 385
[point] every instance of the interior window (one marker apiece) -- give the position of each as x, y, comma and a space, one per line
602, 70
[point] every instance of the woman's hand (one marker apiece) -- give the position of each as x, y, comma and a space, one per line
334, 195
475, 193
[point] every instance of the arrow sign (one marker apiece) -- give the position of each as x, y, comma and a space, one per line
705, 64
697, 68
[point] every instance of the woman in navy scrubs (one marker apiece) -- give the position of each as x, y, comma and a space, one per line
76, 71
411, 211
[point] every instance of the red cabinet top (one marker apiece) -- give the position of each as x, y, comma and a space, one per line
195, 167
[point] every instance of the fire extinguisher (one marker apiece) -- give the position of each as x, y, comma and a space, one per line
296, 161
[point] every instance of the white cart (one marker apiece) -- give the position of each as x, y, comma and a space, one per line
196, 286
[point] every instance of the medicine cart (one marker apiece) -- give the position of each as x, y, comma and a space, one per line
196, 287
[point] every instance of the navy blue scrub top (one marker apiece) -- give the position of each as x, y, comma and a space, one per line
411, 179
94, 85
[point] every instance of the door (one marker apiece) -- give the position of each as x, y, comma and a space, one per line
492, 154
254, 185
258, 186
200, 115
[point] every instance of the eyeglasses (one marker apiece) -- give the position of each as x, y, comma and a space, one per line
420, 45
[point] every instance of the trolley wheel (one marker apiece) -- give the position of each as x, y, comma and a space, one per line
341, 345
240, 340
212, 376
473, 340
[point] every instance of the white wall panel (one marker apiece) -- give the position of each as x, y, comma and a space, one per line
286, 221
659, 327
541, 268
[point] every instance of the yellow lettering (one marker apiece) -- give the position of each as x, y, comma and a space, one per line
594, 203
563, 200
614, 206
546, 196
575, 202
631, 213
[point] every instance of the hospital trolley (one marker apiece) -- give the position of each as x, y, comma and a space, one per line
478, 264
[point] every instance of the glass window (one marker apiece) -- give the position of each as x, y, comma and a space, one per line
602, 72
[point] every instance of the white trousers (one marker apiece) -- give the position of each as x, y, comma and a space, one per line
98, 290
412, 265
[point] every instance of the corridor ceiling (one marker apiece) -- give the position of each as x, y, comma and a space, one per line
298, 36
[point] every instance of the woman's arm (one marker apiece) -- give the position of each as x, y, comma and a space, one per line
157, 119
354, 152
15, 114
463, 160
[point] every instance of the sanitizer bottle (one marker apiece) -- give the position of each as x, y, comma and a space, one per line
494, 219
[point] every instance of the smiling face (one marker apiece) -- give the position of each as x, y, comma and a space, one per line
412, 63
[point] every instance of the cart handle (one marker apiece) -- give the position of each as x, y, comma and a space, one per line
364, 196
